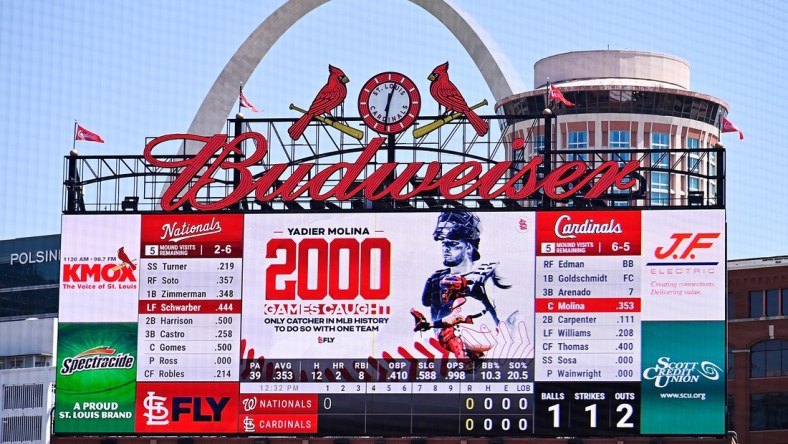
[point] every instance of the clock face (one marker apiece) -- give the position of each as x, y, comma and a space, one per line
389, 103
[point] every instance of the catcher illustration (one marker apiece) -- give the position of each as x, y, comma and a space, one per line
457, 296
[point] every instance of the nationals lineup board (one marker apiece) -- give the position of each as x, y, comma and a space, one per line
554, 323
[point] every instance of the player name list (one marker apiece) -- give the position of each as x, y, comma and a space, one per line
587, 302
190, 306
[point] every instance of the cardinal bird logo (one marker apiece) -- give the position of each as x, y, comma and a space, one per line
445, 93
125, 259
329, 97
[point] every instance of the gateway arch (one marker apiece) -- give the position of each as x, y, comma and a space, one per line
495, 67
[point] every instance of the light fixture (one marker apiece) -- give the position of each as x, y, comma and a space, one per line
130, 203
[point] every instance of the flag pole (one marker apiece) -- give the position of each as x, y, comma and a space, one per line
240, 91
547, 92
722, 126
74, 139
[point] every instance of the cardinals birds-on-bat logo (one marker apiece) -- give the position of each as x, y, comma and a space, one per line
124, 258
445, 93
329, 97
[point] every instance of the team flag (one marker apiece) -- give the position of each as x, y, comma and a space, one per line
90, 136
556, 95
729, 127
245, 103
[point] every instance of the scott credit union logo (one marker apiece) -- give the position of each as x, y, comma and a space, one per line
666, 372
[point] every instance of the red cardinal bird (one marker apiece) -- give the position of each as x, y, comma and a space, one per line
125, 259
329, 97
445, 93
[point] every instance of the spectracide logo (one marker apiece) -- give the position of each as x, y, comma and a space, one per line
97, 358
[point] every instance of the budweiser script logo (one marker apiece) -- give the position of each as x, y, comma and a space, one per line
462, 180
175, 233
566, 230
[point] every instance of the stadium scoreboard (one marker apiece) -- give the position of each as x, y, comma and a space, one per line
547, 323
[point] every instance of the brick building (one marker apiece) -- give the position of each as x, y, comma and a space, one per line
758, 349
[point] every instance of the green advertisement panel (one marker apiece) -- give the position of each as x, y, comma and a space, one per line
96, 373
683, 389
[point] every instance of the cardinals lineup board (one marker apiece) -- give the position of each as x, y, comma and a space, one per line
509, 324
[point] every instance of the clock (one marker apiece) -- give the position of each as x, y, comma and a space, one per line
389, 103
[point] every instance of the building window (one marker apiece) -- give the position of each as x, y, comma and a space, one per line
693, 164
13, 362
756, 304
578, 140
730, 362
539, 143
784, 302
771, 302
660, 181
731, 305
769, 411
660, 141
620, 140
26, 361
769, 359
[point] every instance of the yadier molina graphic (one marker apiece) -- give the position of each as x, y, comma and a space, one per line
457, 296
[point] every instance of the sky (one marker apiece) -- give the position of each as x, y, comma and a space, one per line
128, 70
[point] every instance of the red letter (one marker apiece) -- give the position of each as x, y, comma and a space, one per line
679, 237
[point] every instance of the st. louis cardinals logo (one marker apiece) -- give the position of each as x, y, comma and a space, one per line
328, 98
447, 95
442, 90
155, 410
124, 260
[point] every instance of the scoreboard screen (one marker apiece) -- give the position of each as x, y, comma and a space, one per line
507, 324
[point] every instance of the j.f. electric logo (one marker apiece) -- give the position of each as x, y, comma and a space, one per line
684, 245
685, 249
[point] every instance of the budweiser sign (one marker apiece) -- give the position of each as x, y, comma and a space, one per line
501, 180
